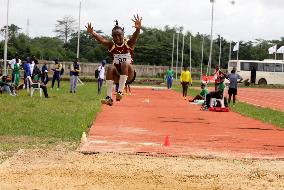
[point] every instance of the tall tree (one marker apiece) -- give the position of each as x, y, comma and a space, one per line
13, 30
65, 27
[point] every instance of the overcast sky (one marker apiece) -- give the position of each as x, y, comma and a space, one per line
245, 20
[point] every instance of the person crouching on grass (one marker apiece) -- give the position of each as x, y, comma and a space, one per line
121, 52
185, 79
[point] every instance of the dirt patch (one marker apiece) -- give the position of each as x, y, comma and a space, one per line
64, 169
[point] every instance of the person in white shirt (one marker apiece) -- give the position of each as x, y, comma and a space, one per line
32, 65
101, 76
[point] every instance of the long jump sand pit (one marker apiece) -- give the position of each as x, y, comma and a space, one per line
60, 169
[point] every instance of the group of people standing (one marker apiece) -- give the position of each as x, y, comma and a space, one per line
219, 86
33, 75
185, 79
218, 93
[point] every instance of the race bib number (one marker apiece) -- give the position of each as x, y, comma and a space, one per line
120, 58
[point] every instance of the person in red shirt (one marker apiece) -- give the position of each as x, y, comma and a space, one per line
121, 52
217, 75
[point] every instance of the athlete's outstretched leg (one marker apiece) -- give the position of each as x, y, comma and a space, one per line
111, 76
126, 75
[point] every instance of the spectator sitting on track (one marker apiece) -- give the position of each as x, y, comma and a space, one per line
202, 95
216, 94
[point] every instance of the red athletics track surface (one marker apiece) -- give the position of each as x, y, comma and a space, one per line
136, 125
267, 98
271, 98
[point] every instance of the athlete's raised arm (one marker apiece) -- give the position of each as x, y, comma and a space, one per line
107, 43
137, 24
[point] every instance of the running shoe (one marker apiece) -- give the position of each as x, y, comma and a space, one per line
107, 101
118, 96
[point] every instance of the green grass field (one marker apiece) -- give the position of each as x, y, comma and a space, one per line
263, 114
64, 115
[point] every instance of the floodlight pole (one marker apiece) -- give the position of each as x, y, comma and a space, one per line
173, 50
190, 50
182, 53
177, 55
202, 56
220, 52
79, 30
6, 40
211, 36
230, 51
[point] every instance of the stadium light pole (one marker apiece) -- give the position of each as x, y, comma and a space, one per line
230, 50
202, 56
220, 51
173, 50
182, 50
190, 51
211, 36
79, 31
177, 56
6, 41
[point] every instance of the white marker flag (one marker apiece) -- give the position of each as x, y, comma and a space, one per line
281, 50
236, 47
272, 49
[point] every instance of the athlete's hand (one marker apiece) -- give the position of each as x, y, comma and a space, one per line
89, 27
137, 21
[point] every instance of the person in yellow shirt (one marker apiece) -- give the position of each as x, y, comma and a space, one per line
185, 79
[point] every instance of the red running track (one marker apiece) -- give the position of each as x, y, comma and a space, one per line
270, 98
136, 125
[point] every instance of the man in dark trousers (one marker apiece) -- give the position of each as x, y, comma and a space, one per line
101, 76
252, 75
57, 72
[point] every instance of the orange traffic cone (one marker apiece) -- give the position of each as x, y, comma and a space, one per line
167, 141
